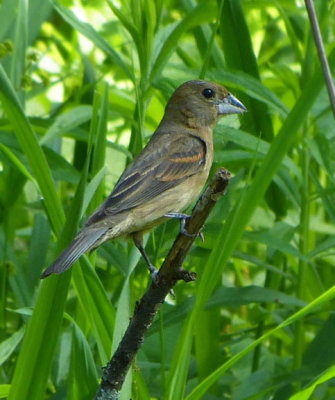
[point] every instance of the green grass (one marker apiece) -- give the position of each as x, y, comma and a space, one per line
83, 85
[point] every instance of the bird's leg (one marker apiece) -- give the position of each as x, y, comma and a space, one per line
138, 240
183, 218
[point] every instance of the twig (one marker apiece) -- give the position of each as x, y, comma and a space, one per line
171, 271
321, 51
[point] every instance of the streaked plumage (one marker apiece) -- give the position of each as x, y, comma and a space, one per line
167, 176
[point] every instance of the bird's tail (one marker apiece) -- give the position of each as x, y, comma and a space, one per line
84, 241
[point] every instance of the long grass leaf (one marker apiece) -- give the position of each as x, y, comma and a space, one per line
200, 13
237, 221
87, 30
202, 388
30, 146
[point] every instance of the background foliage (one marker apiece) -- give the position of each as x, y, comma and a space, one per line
83, 85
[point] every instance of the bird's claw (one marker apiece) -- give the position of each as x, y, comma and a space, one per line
153, 274
183, 218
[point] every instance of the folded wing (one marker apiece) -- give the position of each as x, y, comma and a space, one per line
155, 171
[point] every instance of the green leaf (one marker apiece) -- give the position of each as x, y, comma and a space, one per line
67, 121
255, 144
83, 380
96, 307
306, 393
202, 388
239, 55
4, 390
17, 163
29, 144
20, 48
8, 346
237, 221
201, 13
87, 30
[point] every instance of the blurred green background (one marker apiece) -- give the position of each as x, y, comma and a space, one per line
83, 85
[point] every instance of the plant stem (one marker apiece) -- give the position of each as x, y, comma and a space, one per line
321, 51
303, 246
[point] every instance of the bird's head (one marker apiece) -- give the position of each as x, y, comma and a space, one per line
201, 103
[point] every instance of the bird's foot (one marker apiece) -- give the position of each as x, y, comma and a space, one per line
152, 269
183, 218
153, 273
154, 278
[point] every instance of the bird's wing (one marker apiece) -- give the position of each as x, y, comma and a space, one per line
166, 162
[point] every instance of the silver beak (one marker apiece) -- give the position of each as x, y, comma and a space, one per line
231, 105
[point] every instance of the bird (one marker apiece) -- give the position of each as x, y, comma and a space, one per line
164, 179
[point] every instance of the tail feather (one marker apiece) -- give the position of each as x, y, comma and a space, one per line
84, 241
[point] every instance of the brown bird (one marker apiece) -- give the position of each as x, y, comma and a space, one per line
165, 178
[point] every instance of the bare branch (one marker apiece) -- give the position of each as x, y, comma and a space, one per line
171, 271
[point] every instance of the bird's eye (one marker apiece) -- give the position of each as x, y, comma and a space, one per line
208, 93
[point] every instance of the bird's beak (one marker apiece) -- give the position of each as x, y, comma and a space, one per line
231, 105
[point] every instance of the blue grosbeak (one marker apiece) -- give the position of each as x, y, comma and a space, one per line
165, 178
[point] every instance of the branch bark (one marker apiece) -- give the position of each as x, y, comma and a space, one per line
170, 272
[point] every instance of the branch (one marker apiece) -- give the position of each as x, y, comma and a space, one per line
170, 272
321, 51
